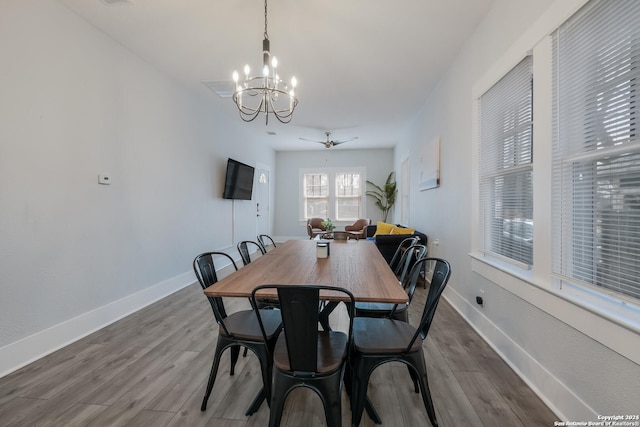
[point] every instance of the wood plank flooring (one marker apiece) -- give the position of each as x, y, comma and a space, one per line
151, 368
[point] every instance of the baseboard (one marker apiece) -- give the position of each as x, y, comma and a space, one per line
27, 350
560, 399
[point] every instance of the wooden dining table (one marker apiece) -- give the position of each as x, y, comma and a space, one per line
356, 265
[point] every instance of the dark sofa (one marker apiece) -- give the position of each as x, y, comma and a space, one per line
388, 243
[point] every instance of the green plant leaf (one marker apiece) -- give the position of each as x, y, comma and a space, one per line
385, 197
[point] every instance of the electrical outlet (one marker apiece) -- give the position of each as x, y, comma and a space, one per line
480, 298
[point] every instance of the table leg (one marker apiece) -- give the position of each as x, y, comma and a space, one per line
329, 306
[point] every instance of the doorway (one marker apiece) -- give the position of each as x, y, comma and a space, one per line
261, 192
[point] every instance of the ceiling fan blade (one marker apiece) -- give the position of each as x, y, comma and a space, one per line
312, 140
345, 140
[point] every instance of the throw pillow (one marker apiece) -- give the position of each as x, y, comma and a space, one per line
383, 228
402, 230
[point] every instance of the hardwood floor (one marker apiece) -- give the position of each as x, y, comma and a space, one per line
151, 368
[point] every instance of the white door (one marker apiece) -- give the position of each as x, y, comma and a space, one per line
262, 201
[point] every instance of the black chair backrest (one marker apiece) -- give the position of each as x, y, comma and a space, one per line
408, 258
243, 248
409, 241
411, 280
299, 307
205, 270
266, 240
441, 275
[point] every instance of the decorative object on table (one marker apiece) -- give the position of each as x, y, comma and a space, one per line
329, 227
385, 196
430, 165
340, 235
330, 142
265, 93
322, 249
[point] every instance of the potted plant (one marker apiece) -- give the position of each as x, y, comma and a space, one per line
328, 225
385, 196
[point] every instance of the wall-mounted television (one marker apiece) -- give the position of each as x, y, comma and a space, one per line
238, 183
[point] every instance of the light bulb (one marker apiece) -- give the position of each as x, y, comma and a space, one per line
247, 70
294, 81
274, 62
235, 76
265, 71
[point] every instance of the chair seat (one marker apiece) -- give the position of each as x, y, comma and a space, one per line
332, 349
373, 335
244, 324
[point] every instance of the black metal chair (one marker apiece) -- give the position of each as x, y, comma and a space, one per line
304, 356
408, 258
378, 340
265, 241
239, 329
398, 311
409, 241
243, 249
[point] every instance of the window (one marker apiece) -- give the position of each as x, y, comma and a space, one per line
348, 195
332, 193
596, 149
506, 149
316, 195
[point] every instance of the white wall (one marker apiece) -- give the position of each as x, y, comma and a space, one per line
287, 221
75, 255
583, 364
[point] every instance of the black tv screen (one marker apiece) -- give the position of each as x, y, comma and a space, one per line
238, 183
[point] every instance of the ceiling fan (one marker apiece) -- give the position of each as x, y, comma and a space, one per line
330, 142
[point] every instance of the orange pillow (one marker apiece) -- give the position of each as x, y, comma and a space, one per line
402, 230
383, 228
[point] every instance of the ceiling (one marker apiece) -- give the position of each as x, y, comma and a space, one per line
363, 67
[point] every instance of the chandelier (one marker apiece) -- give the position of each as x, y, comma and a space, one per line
265, 93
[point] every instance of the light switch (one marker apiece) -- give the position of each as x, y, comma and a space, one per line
104, 179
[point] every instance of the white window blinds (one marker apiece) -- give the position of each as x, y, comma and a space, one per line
316, 195
506, 188
596, 149
348, 195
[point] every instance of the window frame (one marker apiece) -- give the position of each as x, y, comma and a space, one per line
600, 93
505, 134
332, 197
589, 311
